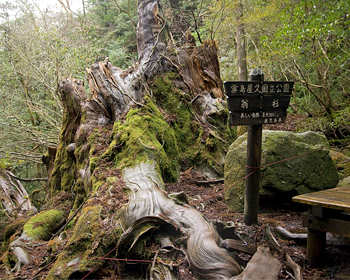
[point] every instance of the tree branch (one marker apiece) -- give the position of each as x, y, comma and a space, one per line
308, 87
26, 179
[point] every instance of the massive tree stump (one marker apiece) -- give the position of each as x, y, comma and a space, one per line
138, 129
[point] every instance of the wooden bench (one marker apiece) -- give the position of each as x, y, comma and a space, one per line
329, 211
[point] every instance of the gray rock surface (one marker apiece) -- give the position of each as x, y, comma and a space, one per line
302, 164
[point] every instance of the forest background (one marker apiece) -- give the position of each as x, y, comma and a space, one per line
303, 41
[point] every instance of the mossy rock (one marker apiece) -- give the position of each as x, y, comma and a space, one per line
344, 182
308, 167
42, 225
342, 162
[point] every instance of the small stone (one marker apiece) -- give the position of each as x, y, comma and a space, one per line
73, 261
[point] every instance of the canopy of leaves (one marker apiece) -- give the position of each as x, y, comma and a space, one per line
113, 25
301, 40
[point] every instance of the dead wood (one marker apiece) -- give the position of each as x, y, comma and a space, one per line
297, 237
232, 244
261, 266
14, 197
203, 252
26, 179
295, 268
95, 133
206, 183
272, 241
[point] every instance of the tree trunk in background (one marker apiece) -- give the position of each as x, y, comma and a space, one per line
140, 128
241, 51
241, 56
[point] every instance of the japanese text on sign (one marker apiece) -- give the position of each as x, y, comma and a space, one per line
242, 88
258, 102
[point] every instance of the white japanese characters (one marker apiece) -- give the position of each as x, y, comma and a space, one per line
256, 102
244, 104
267, 87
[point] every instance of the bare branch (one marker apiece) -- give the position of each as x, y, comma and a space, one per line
66, 6
26, 179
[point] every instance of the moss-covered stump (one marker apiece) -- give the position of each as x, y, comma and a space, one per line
140, 128
300, 163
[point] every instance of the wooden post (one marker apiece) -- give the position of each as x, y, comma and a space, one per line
254, 103
251, 199
316, 247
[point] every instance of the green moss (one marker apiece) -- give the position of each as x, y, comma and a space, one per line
72, 222
9, 231
93, 161
144, 136
63, 173
86, 228
170, 137
96, 184
292, 164
88, 242
42, 225
13, 227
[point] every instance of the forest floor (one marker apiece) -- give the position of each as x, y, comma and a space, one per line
209, 199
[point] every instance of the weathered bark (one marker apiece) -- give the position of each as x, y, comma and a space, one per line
14, 197
118, 147
261, 266
16, 205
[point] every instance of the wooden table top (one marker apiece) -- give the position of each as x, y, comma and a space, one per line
337, 198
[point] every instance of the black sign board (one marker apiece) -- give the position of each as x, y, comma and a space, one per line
257, 103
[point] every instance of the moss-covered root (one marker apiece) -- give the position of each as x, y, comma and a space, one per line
44, 224
90, 241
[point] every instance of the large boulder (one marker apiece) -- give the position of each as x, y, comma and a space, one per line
291, 164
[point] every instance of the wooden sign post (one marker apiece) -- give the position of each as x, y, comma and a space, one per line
255, 103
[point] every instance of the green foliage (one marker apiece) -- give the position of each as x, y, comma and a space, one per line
311, 43
301, 40
113, 26
186, 15
337, 129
